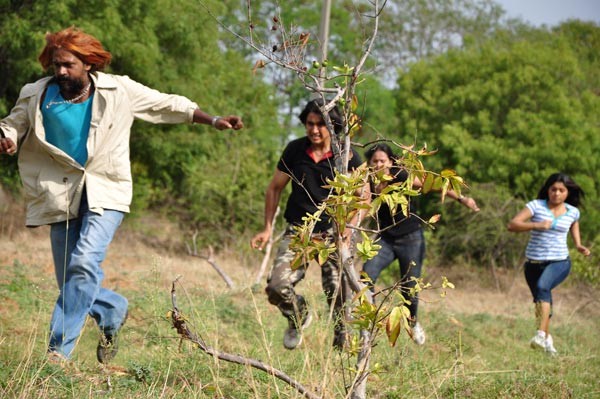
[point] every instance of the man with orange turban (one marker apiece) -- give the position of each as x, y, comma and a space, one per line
72, 131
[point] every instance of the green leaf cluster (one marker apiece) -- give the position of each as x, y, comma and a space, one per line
308, 246
367, 248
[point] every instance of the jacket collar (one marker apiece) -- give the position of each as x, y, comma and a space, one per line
103, 81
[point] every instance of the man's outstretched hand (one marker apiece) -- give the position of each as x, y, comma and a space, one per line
229, 122
7, 146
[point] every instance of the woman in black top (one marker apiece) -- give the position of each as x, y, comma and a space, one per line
401, 237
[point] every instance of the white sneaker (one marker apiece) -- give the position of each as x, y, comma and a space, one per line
549, 346
418, 334
293, 336
538, 341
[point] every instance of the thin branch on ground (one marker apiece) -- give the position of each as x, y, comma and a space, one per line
179, 323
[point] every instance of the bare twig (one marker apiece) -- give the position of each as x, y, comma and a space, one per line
210, 259
179, 323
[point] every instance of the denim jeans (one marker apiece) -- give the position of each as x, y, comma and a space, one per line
542, 277
410, 252
78, 248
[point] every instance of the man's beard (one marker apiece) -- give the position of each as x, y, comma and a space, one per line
70, 87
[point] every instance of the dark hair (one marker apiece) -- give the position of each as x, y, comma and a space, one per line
380, 147
314, 107
575, 195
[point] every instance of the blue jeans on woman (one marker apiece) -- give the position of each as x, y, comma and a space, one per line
78, 248
409, 249
543, 276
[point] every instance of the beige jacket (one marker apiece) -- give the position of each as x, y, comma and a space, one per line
53, 181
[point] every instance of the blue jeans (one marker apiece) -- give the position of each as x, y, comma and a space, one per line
542, 277
410, 252
78, 248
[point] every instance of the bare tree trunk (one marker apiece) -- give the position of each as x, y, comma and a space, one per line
358, 389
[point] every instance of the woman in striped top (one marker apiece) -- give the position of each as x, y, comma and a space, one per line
549, 218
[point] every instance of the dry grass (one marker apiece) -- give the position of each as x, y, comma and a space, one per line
134, 254
147, 255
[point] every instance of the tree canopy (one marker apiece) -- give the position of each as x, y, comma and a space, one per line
512, 110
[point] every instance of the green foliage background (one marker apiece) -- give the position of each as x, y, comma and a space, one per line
504, 103
509, 112
173, 46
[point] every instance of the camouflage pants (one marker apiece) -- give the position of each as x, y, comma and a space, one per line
282, 280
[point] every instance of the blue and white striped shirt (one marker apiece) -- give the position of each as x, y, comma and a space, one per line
550, 244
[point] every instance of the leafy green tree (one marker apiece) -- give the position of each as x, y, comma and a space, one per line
584, 38
511, 111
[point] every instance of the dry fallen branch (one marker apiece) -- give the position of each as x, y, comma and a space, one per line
179, 323
210, 259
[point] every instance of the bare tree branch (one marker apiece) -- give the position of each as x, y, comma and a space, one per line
210, 259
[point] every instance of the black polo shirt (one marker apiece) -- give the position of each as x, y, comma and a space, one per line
402, 225
308, 178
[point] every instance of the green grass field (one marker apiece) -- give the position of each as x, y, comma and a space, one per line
477, 337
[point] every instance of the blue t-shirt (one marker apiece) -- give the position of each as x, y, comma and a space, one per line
550, 244
67, 125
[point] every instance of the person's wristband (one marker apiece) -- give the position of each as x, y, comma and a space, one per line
214, 121
460, 198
